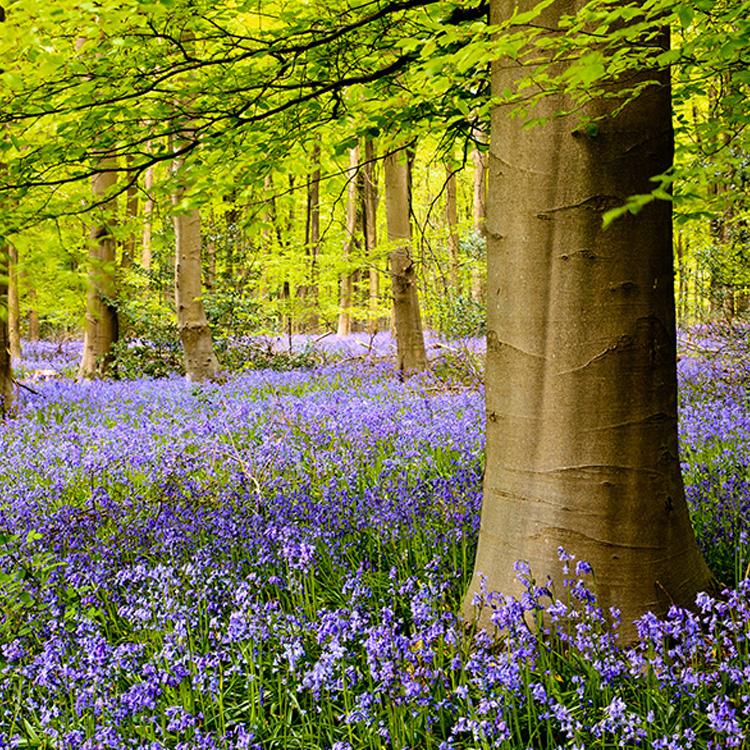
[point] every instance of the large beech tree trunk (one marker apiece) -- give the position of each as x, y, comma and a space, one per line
406, 315
581, 386
346, 289
101, 326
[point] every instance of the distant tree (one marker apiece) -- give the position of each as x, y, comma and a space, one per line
195, 335
352, 214
102, 326
14, 310
6, 370
406, 313
369, 222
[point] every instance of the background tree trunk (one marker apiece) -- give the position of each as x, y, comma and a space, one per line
347, 278
148, 218
14, 311
369, 221
479, 210
33, 316
581, 385
195, 335
101, 326
131, 216
6, 370
451, 220
407, 319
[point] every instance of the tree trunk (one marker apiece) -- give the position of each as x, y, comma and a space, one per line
195, 335
6, 370
682, 283
581, 383
14, 312
131, 215
407, 319
148, 219
451, 220
479, 211
101, 326
33, 316
369, 221
312, 240
347, 278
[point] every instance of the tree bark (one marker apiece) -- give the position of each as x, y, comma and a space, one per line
200, 360
33, 316
451, 220
14, 312
347, 278
312, 240
407, 319
148, 219
6, 369
101, 326
369, 221
581, 378
479, 211
131, 216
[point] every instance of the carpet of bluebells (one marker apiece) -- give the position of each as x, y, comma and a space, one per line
277, 561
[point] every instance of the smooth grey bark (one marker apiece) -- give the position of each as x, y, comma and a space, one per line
14, 308
581, 374
451, 220
479, 210
6, 370
197, 345
148, 220
101, 324
369, 222
406, 315
346, 282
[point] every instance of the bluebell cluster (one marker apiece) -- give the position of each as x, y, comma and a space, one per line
278, 561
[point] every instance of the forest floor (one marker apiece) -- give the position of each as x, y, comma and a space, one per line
276, 561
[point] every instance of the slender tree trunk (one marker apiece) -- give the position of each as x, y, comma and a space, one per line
6, 369
347, 278
101, 326
200, 360
408, 323
479, 211
14, 312
369, 220
682, 279
581, 385
148, 219
131, 216
33, 316
451, 220
312, 239
197, 345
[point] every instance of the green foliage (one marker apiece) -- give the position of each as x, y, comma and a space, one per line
242, 354
460, 316
149, 344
